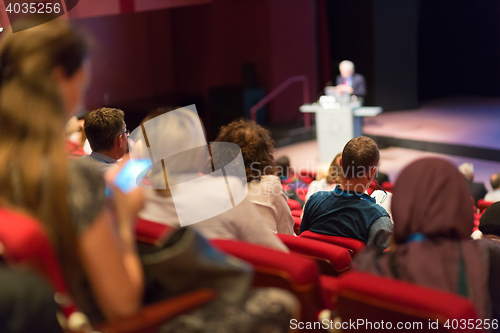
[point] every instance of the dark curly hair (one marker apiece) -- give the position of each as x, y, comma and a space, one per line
256, 146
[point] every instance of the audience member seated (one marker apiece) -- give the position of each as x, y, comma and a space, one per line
282, 171
347, 211
433, 220
178, 131
75, 138
477, 190
264, 188
489, 231
495, 185
107, 135
287, 174
332, 178
45, 71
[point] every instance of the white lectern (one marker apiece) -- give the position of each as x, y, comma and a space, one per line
336, 124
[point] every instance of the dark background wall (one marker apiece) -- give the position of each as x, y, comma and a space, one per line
415, 50
459, 48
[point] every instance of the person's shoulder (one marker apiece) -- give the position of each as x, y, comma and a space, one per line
319, 197
373, 205
271, 179
358, 76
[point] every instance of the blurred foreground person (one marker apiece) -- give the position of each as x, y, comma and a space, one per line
44, 72
433, 220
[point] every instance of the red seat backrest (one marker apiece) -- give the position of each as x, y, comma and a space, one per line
388, 186
297, 220
373, 298
150, 232
352, 245
287, 271
337, 258
293, 204
25, 242
482, 205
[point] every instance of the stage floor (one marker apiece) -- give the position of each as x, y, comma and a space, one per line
456, 126
461, 129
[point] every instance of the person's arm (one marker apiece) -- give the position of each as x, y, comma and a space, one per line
112, 268
282, 214
107, 241
251, 228
359, 89
380, 232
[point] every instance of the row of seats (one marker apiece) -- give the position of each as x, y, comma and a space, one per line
316, 271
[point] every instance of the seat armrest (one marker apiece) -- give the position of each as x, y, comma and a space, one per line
150, 318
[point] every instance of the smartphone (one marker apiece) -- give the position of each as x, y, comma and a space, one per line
131, 175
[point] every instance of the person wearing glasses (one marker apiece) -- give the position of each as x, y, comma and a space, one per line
107, 133
347, 211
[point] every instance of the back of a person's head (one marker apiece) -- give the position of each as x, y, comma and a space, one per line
346, 65
489, 224
467, 170
359, 156
431, 198
32, 54
102, 127
256, 146
282, 166
495, 181
334, 175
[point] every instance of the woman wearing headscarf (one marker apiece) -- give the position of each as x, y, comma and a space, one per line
433, 220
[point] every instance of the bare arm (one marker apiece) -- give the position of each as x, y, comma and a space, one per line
112, 267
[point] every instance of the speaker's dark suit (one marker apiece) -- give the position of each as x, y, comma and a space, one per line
358, 84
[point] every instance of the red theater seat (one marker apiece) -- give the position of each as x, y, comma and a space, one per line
308, 173
332, 259
375, 299
293, 204
150, 232
296, 227
388, 186
482, 205
282, 270
25, 242
352, 245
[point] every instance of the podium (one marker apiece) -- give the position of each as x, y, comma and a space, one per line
336, 124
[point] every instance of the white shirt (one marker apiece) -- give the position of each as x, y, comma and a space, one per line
270, 199
492, 196
243, 222
319, 185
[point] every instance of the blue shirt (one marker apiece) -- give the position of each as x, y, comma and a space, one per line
347, 214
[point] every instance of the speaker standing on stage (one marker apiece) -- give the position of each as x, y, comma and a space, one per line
350, 82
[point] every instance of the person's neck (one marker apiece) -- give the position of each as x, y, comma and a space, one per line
355, 184
110, 153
